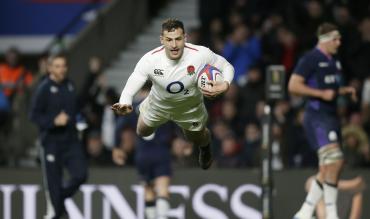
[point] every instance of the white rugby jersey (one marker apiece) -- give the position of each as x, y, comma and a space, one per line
174, 81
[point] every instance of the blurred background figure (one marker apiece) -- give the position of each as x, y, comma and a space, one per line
230, 153
183, 154
356, 143
15, 81
54, 110
251, 148
242, 49
98, 154
350, 200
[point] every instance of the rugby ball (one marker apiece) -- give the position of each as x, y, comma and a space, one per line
208, 73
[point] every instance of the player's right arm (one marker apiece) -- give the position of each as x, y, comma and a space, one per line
134, 83
297, 86
227, 69
38, 112
119, 156
297, 82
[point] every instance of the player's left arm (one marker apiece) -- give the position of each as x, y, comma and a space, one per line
348, 90
227, 70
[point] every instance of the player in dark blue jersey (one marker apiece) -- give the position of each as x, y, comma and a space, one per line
317, 76
153, 163
54, 110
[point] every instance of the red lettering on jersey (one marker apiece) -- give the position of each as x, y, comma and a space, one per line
191, 48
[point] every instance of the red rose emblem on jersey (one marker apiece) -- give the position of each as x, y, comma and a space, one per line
191, 70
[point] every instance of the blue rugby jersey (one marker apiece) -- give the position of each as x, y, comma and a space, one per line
320, 72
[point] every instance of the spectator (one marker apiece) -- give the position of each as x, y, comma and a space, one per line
365, 105
230, 156
127, 144
220, 130
183, 153
251, 93
98, 155
14, 77
350, 198
14, 80
355, 143
242, 50
288, 46
310, 18
251, 149
359, 56
92, 95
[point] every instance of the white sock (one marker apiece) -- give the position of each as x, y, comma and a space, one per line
313, 197
149, 137
162, 206
150, 212
50, 213
330, 199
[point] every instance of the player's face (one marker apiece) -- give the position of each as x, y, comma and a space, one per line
333, 45
174, 43
58, 69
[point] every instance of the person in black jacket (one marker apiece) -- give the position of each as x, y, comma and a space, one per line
54, 110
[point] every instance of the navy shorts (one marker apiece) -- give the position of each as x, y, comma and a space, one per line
321, 129
149, 169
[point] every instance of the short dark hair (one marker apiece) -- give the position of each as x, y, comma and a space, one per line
171, 24
325, 28
57, 56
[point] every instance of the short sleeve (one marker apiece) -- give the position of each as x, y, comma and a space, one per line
304, 67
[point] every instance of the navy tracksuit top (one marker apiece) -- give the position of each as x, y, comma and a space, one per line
50, 99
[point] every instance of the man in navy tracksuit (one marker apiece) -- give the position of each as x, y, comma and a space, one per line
54, 110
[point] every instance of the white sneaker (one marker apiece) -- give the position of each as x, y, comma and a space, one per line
299, 215
48, 216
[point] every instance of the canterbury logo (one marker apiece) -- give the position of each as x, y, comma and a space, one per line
158, 72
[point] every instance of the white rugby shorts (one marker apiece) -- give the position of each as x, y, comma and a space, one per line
194, 119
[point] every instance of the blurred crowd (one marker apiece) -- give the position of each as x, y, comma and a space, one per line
250, 34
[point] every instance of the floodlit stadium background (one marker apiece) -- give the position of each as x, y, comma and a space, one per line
117, 33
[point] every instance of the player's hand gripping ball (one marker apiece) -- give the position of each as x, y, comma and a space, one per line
207, 74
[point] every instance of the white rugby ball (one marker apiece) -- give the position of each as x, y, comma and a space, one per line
208, 73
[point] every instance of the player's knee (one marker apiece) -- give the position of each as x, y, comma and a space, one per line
331, 155
143, 133
143, 130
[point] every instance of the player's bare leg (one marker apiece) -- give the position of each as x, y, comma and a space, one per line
143, 130
325, 184
202, 139
161, 185
331, 178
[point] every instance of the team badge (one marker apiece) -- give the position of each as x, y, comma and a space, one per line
53, 89
50, 158
70, 87
191, 70
339, 66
